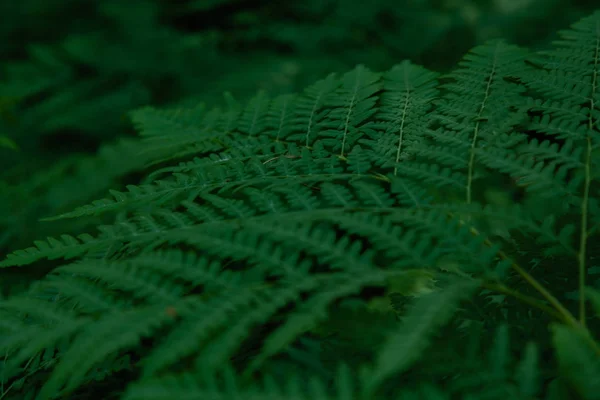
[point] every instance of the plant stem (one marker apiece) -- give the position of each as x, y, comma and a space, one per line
525, 299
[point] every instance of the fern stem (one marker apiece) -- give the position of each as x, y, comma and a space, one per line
471, 166
586, 193
584, 233
401, 130
500, 288
542, 290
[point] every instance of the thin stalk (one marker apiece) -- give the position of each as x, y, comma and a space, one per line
525, 299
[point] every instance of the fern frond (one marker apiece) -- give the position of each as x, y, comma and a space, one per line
67, 246
316, 308
225, 384
311, 110
408, 94
352, 105
567, 88
405, 345
342, 225
252, 121
479, 107
120, 330
578, 360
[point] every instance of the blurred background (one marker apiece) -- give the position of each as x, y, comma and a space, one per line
71, 70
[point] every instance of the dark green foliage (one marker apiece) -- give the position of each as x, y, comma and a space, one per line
354, 240
71, 70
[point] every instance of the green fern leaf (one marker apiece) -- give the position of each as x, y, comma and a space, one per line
404, 346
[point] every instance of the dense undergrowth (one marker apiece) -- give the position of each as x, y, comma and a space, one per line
405, 234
